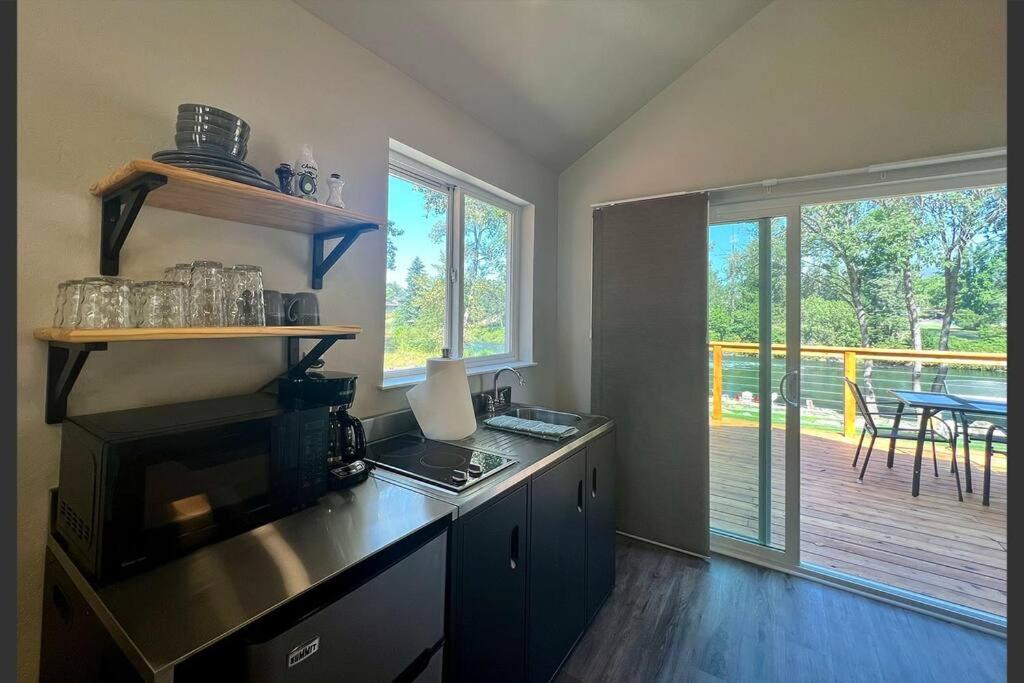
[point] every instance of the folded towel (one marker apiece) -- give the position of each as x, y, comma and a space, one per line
530, 427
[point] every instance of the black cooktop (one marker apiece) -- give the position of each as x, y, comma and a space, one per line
442, 464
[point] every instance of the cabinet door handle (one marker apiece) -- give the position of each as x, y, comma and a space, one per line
593, 484
579, 496
513, 548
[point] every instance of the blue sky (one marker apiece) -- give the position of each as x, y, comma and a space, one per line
724, 237
405, 208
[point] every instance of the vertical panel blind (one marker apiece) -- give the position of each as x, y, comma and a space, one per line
650, 363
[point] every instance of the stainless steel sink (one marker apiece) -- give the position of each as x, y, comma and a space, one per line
542, 415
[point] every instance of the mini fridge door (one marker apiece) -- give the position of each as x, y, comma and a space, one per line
391, 627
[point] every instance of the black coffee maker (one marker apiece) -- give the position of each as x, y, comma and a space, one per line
347, 446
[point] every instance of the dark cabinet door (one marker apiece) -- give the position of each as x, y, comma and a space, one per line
600, 522
557, 564
491, 630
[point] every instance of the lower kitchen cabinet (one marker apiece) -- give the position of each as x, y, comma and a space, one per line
600, 522
491, 632
532, 570
557, 601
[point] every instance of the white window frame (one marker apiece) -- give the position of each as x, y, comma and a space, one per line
457, 189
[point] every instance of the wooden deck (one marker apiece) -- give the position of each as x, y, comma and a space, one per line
933, 545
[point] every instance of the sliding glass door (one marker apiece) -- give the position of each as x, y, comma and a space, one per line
747, 357
812, 303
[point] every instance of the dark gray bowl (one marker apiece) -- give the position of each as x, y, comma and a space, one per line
236, 135
233, 126
206, 141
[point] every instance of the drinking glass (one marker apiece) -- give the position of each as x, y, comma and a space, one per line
179, 272
244, 295
70, 304
206, 294
160, 303
106, 302
58, 313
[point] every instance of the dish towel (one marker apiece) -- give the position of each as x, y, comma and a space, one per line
518, 425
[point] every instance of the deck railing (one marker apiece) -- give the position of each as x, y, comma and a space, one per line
850, 356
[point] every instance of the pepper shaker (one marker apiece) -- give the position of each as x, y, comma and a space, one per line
285, 174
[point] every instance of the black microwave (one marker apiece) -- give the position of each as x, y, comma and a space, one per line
141, 486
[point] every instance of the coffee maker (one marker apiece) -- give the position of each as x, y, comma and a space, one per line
347, 440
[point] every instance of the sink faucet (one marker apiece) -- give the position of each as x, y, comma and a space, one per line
497, 401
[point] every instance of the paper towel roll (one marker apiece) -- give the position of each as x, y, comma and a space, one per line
442, 404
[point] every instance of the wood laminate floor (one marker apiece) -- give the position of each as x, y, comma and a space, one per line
677, 618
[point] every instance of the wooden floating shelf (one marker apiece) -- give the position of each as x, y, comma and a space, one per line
126, 334
206, 195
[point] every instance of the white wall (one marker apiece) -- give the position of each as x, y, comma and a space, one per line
98, 84
804, 87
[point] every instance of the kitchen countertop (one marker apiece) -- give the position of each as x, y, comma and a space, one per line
534, 454
164, 615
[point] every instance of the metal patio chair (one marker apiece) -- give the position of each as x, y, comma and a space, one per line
886, 432
992, 440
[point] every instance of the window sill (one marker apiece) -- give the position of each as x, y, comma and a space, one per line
411, 380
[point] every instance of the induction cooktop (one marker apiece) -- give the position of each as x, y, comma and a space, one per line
443, 464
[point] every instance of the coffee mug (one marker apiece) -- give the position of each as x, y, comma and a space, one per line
273, 303
301, 308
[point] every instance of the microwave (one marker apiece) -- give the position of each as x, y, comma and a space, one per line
137, 487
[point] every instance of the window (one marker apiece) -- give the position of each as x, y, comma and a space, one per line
450, 268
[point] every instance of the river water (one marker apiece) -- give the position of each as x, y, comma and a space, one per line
822, 379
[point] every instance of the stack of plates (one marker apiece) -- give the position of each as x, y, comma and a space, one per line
219, 165
213, 141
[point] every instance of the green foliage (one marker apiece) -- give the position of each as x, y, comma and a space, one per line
415, 330
867, 265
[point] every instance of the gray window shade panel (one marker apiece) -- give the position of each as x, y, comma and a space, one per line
650, 363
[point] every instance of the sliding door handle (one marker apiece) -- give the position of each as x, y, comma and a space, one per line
579, 496
513, 548
593, 483
783, 383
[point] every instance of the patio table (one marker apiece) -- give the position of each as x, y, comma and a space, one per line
931, 403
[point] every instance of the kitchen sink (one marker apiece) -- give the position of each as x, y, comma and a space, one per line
553, 417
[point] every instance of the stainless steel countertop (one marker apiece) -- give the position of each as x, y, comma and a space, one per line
164, 615
534, 454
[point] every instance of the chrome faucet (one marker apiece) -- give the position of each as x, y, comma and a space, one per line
497, 401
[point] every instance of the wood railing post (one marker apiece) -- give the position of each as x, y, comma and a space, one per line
716, 382
849, 403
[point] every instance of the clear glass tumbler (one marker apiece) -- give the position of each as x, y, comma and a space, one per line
179, 272
58, 312
244, 295
160, 303
70, 304
95, 311
206, 294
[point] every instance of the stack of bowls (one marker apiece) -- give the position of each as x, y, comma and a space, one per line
202, 127
213, 141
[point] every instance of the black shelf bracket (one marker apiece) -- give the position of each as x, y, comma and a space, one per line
299, 364
348, 236
63, 364
120, 209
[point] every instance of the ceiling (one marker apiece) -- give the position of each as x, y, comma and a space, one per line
553, 76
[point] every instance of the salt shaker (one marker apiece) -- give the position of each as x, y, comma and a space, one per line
335, 183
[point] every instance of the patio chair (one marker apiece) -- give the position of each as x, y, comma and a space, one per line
887, 432
963, 424
992, 440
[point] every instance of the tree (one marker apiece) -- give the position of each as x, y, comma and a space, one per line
902, 250
957, 219
392, 248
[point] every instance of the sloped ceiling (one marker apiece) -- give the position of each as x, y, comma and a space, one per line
553, 76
